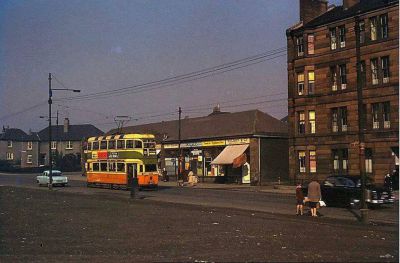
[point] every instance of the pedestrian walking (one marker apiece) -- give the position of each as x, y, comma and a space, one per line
165, 175
314, 196
299, 200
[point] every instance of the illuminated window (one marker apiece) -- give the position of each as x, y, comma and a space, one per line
311, 82
311, 121
300, 84
313, 162
310, 44
302, 162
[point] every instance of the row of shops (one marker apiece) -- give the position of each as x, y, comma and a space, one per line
247, 147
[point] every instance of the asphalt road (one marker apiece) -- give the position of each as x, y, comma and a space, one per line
231, 198
48, 226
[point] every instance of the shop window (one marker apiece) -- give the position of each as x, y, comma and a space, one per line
311, 82
302, 161
311, 121
313, 162
300, 84
301, 122
368, 160
310, 44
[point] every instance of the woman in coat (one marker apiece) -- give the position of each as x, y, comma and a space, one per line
314, 196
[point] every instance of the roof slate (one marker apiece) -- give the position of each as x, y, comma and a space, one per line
75, 132
235, 124
13, 134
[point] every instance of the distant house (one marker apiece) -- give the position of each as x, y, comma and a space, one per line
11, 141
210, 145
65, 139
31, 150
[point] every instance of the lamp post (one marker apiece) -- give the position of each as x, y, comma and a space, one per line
50, 185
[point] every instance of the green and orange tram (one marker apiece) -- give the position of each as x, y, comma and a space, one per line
112, 160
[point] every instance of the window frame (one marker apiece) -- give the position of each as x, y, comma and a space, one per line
373, 25
342, 36
343, 76
300, 46
312, 122
385, 68
29, 158
301, 122
9, 144
374, 71
311, 161
29, 145
311, 82
310, 44
68, 145
333, 38
300, 83
301, 157
10, 156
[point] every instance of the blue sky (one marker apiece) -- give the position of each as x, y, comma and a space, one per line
99, 45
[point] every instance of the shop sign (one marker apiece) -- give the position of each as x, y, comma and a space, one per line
171, 146
196, 152
238, 141
94, 155
191, 144
213, 143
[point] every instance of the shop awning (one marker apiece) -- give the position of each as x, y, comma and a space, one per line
230, 153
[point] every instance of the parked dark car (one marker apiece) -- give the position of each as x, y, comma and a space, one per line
345, 191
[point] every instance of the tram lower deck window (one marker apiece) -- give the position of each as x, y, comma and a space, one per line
103, 167
96, 167
120, 167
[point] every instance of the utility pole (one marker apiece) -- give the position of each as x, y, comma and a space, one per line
50, 153
361, 125
179, 147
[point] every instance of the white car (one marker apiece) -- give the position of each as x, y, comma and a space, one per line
58, 178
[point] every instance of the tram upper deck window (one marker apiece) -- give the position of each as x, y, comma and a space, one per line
103, 145
95, 145
120, 144
138, 144
129, 144
111, 144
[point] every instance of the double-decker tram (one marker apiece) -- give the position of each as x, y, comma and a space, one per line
113, 160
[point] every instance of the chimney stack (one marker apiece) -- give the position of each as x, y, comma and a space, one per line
66, 125
310, 9
349, 3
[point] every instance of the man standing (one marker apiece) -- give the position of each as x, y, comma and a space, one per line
314, 195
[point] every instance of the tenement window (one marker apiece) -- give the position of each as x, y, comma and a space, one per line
385, 69
368, 160
68, 145
311, 82
373, 23
311, 121
300, 46
301, 124
343, 78
361, 28
313, 162
339, 119
29, 146
332, 33
10, 156
381, 115
384, 27
374, 71
302, 161
310, 44
342, 36
9, 144
340, 161
300, 84
333, 79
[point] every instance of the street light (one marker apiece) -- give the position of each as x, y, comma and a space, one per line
50, 153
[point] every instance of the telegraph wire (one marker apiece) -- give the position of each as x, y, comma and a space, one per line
175, 80
160, 86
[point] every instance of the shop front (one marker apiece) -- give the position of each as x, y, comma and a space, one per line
199, 158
